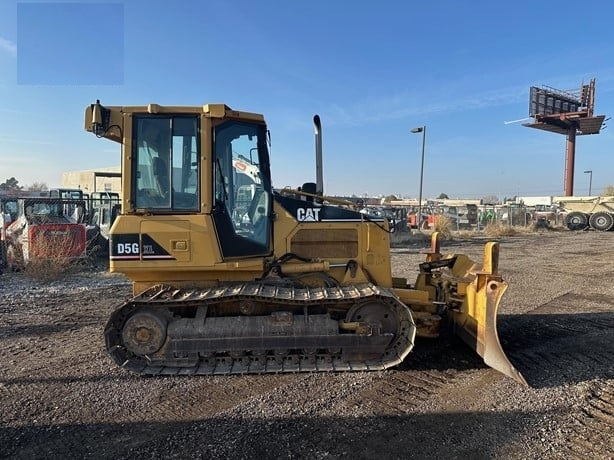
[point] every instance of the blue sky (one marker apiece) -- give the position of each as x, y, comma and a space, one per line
371, 70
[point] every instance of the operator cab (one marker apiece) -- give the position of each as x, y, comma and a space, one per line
170, 176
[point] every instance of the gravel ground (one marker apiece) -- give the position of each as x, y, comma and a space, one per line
61, 396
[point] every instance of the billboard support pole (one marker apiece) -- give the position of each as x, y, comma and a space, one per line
570, 160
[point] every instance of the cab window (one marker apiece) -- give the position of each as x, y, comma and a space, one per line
165, 163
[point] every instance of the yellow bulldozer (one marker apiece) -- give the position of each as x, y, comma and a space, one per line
232, 276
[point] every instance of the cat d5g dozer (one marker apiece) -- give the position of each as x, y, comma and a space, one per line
231, 276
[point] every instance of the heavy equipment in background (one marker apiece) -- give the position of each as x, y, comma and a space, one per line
583, 212
297, 282
459, 214
544, 215
103, 208
45, 228
460, 217
95, 212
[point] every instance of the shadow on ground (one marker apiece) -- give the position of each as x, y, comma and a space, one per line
452, 435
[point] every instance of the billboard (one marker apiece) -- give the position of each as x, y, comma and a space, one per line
548, 101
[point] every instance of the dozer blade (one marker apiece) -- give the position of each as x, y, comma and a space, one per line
475, 321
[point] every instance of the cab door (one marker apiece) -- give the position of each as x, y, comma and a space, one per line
242, 189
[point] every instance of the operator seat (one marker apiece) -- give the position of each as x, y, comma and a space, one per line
160, 173
257, 215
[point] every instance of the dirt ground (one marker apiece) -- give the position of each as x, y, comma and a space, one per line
61, 396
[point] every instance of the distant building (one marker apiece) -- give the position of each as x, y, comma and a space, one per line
94, 180
534, 200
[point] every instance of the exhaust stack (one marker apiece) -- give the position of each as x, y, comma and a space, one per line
319, 174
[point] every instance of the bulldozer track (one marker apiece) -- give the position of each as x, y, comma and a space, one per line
590, 434
540, 328
556, 345
400, 391
209, 398
559, 353
264, 296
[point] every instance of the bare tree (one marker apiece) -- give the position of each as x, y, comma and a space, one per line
490, 199
390, 198
38, 187
608, 191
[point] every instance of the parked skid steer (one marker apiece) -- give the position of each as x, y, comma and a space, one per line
44, 229
231, 276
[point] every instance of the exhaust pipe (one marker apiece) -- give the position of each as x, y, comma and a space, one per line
319, 174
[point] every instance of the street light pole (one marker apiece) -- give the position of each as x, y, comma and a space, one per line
422, 130
590, 181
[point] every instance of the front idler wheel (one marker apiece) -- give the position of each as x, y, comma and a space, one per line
372, 318
376, 314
